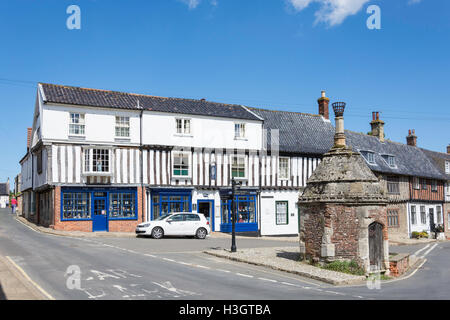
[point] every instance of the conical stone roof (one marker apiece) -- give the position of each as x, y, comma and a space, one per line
343, 177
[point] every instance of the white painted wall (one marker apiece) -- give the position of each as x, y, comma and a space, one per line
206, 132
209, 195
419, 226
267, 212
100, 124
26, 172
3, 201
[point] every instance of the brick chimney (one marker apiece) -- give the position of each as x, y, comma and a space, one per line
448, 149
411, 139
324, 110
29, 131
377, 126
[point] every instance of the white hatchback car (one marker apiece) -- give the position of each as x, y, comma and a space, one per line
176, 224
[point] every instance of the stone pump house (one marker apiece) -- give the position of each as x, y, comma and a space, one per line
343, 209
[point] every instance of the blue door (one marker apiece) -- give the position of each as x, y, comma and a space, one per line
100, 214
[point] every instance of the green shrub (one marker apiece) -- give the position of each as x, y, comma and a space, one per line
350, 267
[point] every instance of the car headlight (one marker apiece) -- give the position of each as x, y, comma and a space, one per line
145, 225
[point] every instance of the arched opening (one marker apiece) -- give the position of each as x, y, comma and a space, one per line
376, 246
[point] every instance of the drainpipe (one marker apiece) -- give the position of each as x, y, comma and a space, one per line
141, 160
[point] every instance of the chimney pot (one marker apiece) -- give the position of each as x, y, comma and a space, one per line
377, 126
324, 109
411, 139
448, 149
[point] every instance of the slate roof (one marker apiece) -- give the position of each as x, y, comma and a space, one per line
113, 99
299, 132
4, 189
312, 135
438, 158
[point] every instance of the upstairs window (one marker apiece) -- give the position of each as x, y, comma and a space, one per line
122, 127
423, 182
183, 126
434, 186
238, 167
39, 162
239, 130
283, 168
416, 183
447, 167
393, 185
96, 160
77, 125
181, 165
390, 160
369, 156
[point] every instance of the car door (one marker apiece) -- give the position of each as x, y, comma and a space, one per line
174, 225
192, 224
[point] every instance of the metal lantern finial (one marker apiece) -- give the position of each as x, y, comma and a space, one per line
339, 108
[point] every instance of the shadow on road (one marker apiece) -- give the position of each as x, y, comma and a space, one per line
2, 294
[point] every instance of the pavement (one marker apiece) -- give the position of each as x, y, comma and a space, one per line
130, 268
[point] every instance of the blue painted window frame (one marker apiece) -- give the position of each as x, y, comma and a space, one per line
91, 192
240, 226
178, 193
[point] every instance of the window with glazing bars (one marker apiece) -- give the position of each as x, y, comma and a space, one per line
393, 185
283, 168
413, 215
76, 205
238, 167
122, 205
239, 130
122, 127
96, 160
181, 164
423, 215
76, 125
183, 126
392, 216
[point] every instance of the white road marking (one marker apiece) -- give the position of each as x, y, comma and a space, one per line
420, 250
244, 275
45, 293
265, 279
149, 255
221, 270
185, 263
429, 250
203, 267
290, 284
170, 260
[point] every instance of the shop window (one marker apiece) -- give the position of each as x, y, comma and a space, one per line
392, 216
169, 203
76, 205
245, 209
281, 212
122, 205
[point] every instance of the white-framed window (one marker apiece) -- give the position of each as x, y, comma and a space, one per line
283, 168
122, 127
239, 130
97, 161
416, 183
369, 156
447, 167
282, 212
423, 215
434, 186
439, 214
181, 165
77, 124
413, 215
238, 168
183, 126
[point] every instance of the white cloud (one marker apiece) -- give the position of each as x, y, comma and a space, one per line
332, 12
192, 4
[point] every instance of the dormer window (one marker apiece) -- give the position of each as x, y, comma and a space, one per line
447, 167
390, 160
369, 156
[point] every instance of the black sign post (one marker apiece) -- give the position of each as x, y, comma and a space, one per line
233, 215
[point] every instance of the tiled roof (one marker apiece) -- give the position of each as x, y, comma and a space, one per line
439, 159
4, 189
310, 134
113, 99
299, 132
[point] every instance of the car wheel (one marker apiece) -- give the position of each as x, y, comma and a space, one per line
201, 233
157, 233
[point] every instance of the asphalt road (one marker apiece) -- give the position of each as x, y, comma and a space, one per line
141, 268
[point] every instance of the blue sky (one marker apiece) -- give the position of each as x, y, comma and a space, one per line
277, 54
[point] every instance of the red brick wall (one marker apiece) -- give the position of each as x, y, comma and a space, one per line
86, 226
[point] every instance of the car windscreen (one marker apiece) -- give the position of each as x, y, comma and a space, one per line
163, 217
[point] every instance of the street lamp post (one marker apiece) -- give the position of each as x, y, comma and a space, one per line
233, 215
